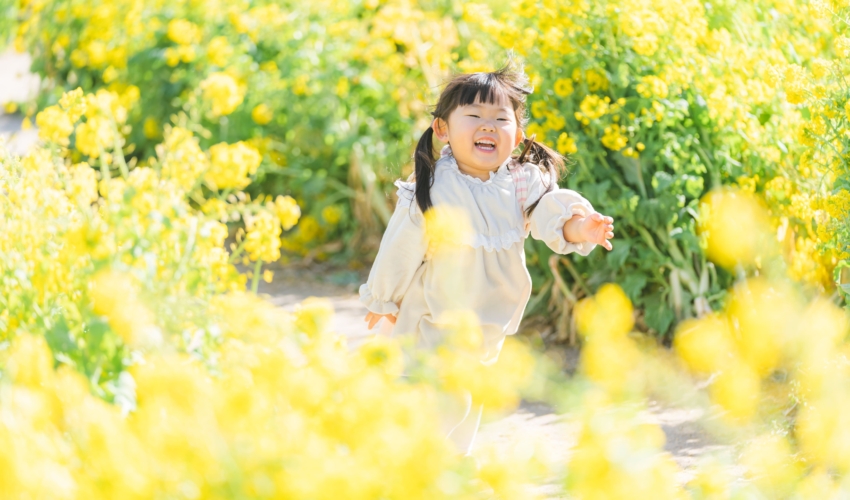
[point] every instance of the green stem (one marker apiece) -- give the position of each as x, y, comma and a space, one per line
118, 152
255, 280
237, 252
576, 276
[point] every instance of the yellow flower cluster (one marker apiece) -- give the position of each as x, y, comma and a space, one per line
263, 239
231, 165
223, 92
286, 210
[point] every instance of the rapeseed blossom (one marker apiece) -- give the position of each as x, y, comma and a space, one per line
231, 165
222, 90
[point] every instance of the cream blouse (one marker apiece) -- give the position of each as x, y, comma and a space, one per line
487, 273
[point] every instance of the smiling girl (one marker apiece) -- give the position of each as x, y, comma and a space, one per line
505, 197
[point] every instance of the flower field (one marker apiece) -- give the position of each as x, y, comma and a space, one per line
181, 139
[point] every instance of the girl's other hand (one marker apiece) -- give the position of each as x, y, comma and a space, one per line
598, 228
373, 318
595, 228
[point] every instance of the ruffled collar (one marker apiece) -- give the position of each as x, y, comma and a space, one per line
448, 158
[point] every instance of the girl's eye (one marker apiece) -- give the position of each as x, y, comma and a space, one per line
474, 116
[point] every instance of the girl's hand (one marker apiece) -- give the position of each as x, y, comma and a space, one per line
595, 228
373, 318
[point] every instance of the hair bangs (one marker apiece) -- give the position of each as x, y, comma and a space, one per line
484, 88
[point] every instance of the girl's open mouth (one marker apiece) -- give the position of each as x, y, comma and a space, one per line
485, 146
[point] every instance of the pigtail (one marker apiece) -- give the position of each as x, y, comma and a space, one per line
546, 159
424, 165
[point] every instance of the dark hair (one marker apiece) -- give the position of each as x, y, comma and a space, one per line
509, 82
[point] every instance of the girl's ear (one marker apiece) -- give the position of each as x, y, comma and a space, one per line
518, 139
441, 129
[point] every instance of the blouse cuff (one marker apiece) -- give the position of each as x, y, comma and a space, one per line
557, 242
374, 304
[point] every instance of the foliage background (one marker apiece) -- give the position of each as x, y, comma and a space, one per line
656, 104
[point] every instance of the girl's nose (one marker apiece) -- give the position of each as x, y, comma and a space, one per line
488, 126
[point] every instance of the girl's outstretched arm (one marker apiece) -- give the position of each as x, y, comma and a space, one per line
564, 219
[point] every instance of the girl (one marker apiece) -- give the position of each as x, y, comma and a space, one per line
505, 198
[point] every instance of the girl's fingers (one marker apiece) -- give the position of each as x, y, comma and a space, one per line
609, 235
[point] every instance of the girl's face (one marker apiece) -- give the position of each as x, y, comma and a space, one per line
482, 136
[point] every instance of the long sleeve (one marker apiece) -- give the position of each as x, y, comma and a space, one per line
402, 251
553, 211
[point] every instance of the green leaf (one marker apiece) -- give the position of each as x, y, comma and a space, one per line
657, 313
633, 285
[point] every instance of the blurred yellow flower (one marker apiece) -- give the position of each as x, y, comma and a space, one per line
447, 227
262, 243
563, 87
287, 210
151, 128
566, 144
232, 164
735, 226
332, 214
313, 316
262, 114
183, 32
223, 92
706, 344
609, 313
54, 125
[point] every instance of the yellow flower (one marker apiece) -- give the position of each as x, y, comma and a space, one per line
606, 314
114, 296
183, 32
736, 390
476, 50
183, 162
151, 128
706, 344
313, 316
596, 80
74, 103
54, 125
842, 46
30, 362
231, 164
563, 87
262, 242
593, 107
262, 114
287, 210
82, 184
223, 91
94, 136
566, 144
447, 227
332, 214
613, 139
219, 51
734, 225
652, 86
821, 67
